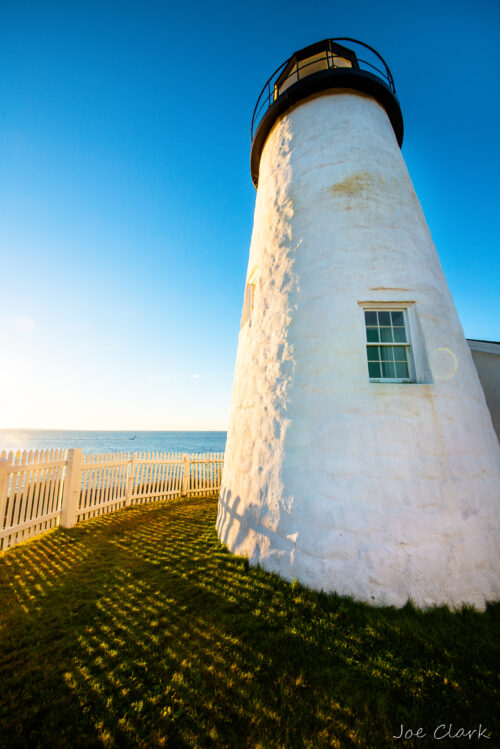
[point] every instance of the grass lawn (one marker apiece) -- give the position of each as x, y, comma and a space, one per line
140, 629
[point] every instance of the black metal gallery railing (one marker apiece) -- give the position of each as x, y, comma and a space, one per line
328, 56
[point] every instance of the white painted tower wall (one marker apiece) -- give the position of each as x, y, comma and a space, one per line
380, 491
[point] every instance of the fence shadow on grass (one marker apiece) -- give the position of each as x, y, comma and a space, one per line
140, 629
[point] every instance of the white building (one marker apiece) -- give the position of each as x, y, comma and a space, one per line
361, 456
486, 357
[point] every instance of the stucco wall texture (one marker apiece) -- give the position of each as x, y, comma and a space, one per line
379, 491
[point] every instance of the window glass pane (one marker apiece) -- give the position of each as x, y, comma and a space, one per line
373, 353
384, 318
399, 353
313, 64
386, 353
289, 80
341, 62
372, 335
370, 317
386, 334
374, 369
399, 335
397, 318
388, 369
401, 369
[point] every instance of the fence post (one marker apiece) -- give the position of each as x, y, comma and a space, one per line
72, 487
130, 479
4, 488
186, 475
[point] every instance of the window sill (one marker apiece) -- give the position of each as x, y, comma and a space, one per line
422, 383
382, 381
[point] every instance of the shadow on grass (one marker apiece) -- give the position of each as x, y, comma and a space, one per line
140, 629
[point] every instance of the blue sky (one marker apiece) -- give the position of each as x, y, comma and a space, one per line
126, 203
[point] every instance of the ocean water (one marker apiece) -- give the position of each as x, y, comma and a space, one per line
114, 441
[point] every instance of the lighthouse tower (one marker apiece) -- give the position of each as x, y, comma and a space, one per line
361, 456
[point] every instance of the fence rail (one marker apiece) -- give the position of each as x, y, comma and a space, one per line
42, 489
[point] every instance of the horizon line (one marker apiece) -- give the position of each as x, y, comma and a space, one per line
74, 429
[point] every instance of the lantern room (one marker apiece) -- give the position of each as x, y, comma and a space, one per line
323, 66
312, 60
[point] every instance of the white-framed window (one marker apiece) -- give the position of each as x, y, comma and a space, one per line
247, 303
388, 345
249, 300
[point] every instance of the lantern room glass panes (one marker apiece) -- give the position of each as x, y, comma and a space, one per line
387, 345
291, 78
339, 62
309, 65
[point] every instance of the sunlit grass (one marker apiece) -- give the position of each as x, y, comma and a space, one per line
140, 629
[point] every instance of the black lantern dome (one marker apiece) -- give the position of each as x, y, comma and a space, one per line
319, 67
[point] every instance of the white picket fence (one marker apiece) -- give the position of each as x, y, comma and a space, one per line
42, 489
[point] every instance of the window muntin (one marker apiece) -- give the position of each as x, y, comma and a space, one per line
387, 345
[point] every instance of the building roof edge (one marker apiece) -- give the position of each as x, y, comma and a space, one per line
490, 347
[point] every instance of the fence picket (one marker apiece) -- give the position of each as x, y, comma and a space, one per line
4, 488
33, 482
